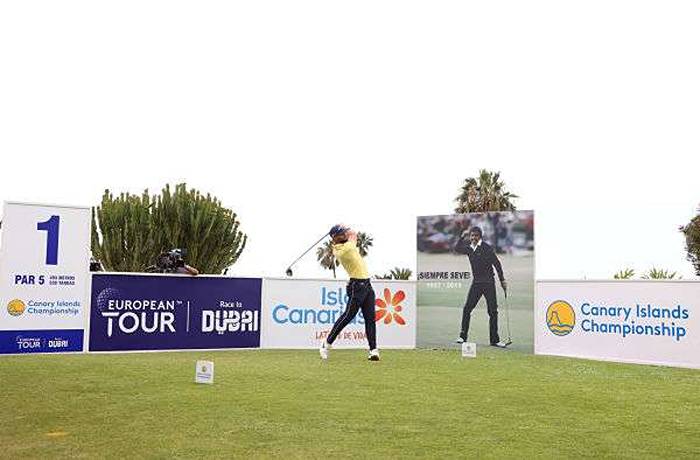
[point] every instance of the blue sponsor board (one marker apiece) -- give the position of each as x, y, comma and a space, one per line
133, 312
41, 341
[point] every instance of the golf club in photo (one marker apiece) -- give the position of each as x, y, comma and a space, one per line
506, 303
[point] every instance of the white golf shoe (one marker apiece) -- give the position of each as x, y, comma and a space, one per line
499, 345
373, 355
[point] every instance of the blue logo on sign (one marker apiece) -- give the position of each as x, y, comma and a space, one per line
44, 341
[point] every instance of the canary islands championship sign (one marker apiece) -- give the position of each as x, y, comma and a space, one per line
646, 322
44, 278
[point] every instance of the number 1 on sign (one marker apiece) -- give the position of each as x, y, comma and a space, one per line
51, 228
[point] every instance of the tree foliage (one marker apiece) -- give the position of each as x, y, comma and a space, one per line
660, 274
364, 242
396, 274
484, 193
651, 274
130, 231
325, 257
624, 274
692, 241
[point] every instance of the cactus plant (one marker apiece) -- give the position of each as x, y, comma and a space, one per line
130, 231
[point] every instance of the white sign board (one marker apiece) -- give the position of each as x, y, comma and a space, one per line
204, 372
300, 314
646, 322
44, 278
468, 350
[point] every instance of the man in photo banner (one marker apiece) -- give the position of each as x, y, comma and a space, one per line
483, 260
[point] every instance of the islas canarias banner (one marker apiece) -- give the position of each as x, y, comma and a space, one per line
301, 313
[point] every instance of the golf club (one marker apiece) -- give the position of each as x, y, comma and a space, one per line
289, 269
510, 340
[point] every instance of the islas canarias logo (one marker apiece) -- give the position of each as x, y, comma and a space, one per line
389, 308
561, 318
16, 307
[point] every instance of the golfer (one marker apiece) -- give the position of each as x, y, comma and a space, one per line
359, 289
483, 260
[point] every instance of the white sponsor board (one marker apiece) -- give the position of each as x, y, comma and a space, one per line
300, 314
44, 278
646, 322
204, 372
468, 350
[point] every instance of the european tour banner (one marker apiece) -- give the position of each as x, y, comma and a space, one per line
634, 321
174, 312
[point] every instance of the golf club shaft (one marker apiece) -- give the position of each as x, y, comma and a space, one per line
305, 252
507, 304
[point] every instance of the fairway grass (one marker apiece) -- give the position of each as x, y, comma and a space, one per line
289, 404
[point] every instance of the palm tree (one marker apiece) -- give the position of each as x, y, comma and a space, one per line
624, 274
364, 242
659, 274
324, 255
396, 274
484, 193
401, 273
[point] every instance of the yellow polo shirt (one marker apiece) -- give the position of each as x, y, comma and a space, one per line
351, 260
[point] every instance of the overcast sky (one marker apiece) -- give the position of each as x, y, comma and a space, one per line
299, 114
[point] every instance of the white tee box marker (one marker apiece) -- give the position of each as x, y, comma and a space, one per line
204, 372
469, 350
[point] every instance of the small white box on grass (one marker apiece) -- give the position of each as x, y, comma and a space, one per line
469, 350
204, 372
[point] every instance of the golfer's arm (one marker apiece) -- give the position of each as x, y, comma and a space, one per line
340, 249
460, 247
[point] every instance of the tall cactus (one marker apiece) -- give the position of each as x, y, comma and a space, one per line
130, 231
122, 236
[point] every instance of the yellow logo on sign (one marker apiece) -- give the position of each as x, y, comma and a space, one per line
16, 307
560, 318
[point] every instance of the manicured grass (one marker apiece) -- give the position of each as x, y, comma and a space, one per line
288, 404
